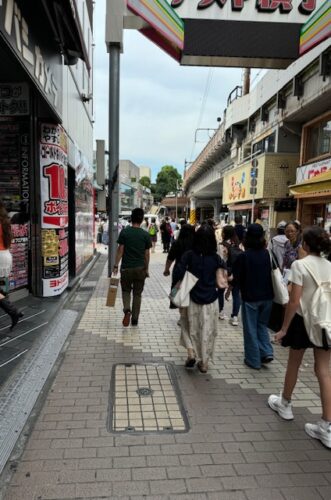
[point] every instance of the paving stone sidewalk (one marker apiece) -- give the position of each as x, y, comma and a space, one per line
236, 448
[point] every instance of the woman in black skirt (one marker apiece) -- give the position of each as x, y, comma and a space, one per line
293, 333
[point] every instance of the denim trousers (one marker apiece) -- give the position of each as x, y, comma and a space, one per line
132, 281
235, 300
255, 317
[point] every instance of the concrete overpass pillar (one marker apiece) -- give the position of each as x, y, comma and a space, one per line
193, 217
217, 208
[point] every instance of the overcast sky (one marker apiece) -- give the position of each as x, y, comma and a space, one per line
162, 104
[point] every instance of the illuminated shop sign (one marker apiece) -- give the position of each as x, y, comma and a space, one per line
243, 33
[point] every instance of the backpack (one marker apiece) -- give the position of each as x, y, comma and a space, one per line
317, 316
152, 230
233, 253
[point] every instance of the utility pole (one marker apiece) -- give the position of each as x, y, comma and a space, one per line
114, 43
113, 141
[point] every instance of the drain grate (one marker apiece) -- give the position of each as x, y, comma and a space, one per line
146, 398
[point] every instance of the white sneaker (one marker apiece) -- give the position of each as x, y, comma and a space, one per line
222, 315
282, 407
234, 321
321, 431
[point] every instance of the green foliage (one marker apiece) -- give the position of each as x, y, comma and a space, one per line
145, 181
167, 181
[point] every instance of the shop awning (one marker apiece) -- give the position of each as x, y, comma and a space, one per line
319, 185
64, 21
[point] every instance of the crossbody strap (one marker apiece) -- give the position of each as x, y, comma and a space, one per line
318, 283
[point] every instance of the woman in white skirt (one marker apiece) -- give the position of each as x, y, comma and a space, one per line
6, 264
199, 335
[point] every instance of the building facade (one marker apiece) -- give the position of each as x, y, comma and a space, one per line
46, 116
268, 140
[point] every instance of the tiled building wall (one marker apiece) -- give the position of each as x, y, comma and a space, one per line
280, 171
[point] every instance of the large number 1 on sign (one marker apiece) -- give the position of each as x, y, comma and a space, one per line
56, 177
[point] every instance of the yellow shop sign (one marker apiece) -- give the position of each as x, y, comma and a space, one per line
237, 184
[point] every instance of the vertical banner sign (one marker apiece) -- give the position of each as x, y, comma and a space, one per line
54, 209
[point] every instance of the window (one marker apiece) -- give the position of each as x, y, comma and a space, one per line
266, 145
319, 139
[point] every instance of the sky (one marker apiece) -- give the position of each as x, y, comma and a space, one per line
162, 104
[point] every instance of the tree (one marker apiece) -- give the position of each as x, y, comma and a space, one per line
145, 181
167, 181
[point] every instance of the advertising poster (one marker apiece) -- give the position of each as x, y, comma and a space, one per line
54, 209
20, 251
237, 183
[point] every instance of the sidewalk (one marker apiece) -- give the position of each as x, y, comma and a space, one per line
236, 447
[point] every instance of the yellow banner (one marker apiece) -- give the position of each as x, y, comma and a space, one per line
237, 184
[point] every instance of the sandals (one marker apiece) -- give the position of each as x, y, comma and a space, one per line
190, 362
202, 368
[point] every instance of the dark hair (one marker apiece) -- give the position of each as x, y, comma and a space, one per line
6, 227
137, 216
205, 241
185, 238
254, 241
295, 224
153, 220
317, 239
238, 219
229, 233
280, 230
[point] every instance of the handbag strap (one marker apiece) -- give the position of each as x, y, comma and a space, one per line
273, 260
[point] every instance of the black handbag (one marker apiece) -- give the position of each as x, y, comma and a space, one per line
276, 317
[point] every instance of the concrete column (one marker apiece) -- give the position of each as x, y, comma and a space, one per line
193, 217
217, 208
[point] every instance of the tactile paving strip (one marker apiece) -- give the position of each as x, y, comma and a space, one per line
146, 398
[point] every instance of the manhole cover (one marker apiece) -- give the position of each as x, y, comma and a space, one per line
146, 398
144, 391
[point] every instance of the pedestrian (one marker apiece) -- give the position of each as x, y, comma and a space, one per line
277, 244
293, 247
145, 224
6, 265
293, 333
183, 243
239, 228
105, 233
202, 261
133, 250
166, 233
152, 231
253, 273
100, 232
229, 251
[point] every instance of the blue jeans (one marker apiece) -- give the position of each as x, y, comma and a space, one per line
236, 302
255, 317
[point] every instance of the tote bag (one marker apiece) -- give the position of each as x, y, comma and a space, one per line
279, 286
180, 294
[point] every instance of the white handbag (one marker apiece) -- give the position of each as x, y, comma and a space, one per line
281, 295
180, 293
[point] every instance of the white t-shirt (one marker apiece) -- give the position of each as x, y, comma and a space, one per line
300, 275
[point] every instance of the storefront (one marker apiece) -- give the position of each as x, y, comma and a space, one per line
258, 189
44, 188
314, 200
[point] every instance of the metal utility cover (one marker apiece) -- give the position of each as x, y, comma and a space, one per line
145, 398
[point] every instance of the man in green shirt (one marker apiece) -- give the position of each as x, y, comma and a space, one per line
133, 249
